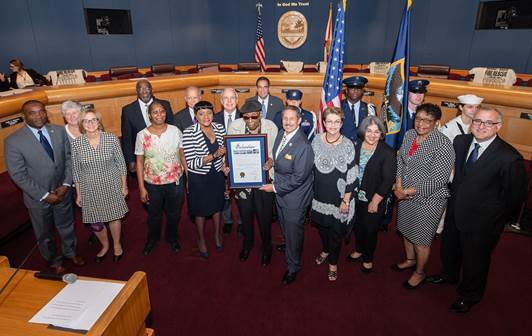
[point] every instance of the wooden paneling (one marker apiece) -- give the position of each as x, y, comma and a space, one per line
109, 98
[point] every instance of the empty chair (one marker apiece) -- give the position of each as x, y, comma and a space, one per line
433, 71
208, 67
250, 66
163, 69
124, 72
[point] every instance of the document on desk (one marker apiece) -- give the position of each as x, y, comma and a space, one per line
78, 305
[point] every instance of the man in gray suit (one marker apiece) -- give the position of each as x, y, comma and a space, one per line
292, 185
270, 104
38, 160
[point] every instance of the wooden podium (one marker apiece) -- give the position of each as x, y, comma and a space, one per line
26, 295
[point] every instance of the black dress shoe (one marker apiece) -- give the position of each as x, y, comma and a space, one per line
244, 254
100, 259
116, 258
353, 260
289, 277
461, 306
281, 247
147, 248
407, 285
396, 267
266, 259
366, 270
175, 247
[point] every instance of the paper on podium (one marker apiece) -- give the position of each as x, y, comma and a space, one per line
78, 305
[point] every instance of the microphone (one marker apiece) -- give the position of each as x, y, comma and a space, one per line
45, 240
69, 278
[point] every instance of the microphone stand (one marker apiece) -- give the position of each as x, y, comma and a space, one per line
19, 267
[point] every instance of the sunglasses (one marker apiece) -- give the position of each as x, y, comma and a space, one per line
251, 117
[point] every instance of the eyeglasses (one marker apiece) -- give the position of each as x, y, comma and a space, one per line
487, 123
90, 121
250, 117
333, 122
425, 121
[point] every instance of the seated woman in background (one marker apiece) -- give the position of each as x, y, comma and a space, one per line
335, 177
158, 149
99, 172
424, 164
21, 77
376, 174
204, 153
71, 111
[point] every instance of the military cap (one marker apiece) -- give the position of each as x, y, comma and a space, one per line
418, 86
250, 106
294, 94
355, 81
470, 99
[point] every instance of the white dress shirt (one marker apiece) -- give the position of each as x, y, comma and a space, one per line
144, 108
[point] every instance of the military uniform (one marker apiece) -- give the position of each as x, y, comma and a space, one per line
355, 113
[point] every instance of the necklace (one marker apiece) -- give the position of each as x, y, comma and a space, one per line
331, 142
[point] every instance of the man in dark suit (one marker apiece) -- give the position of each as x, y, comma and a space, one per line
185, 117
489, 186
355, 110
226, 116
38, 160
292, 185
308, 119
135, 118
270, 105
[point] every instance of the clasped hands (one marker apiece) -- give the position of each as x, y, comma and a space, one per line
57, 195
403, 194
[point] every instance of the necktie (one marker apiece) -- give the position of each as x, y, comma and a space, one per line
354, 115
473, 157
46, 145
264, 112
281, 145
229, 120
147, 115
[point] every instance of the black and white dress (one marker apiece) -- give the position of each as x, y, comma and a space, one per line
427, 170
99, 173
335, 173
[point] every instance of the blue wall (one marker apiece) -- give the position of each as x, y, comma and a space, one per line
51, 34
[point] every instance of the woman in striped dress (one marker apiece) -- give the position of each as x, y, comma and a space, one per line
424, 164
204, 153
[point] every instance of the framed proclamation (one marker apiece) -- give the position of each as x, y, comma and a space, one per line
246, 156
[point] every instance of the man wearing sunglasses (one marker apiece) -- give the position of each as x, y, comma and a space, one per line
255, 202
489, 186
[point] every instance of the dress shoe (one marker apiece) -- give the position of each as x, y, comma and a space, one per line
59, 269
174, 246
439, 280
266, 259
366, 270
220, 248
100, 259
147, 248
281, 247
353, 260
116, 258
204, 255
461, 306
240, 230
396, 267
244, 254
408, 285
77, 260
289, 277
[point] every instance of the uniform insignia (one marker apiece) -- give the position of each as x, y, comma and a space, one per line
288, 156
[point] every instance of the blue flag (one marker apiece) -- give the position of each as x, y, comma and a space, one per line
395, 103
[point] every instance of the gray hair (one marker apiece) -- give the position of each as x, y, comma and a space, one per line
70, 104
368, 121
229, 91
291, 108
491, 109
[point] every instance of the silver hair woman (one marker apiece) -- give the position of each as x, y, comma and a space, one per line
71, 111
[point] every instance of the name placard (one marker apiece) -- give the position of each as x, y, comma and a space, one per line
493, 76
379, 68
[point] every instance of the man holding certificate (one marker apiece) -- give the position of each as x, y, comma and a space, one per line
252, 201
293, 162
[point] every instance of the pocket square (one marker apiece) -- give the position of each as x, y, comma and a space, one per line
288, 156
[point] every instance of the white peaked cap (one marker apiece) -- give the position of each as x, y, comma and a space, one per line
470, 99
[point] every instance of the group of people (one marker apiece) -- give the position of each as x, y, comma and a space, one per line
341, 179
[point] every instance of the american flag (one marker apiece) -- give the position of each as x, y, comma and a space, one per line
331, 93
260, 53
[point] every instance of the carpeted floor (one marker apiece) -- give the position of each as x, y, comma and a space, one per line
223, 296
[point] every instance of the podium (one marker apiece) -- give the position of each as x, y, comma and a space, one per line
26, 295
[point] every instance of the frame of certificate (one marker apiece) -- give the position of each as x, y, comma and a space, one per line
246, 156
